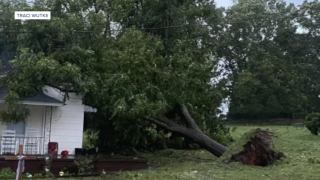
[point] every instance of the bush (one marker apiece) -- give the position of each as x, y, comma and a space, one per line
90, 139
313, 123
84, 164
7, 173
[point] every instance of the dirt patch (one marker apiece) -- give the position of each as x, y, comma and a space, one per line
258, 149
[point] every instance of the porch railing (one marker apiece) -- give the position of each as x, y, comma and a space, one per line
31, 145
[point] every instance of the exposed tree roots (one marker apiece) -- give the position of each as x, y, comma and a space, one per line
258, 150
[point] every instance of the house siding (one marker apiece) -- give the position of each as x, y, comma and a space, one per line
67, 121
35, 119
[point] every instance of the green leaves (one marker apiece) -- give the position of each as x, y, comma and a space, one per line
147, 71
313, 123
36, 67
263, 54
133, 68
142, 83
14, 114
128, 58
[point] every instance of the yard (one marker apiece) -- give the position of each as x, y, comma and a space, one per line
301, 148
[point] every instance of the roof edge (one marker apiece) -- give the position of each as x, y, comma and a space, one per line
37, 103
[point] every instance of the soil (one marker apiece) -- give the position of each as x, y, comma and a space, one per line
258, 150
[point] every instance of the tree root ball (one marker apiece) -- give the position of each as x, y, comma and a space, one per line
258, 149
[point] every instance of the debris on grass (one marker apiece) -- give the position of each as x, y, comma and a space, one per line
254, 148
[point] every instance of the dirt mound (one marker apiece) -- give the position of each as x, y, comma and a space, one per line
258, 149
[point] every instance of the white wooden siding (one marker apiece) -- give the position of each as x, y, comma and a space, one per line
67, 121
35, 120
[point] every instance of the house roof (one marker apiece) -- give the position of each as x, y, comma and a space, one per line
39, 99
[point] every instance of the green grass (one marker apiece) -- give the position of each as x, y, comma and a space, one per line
297, 144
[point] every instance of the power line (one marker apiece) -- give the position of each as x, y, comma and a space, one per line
271, 17
122, 30
69, 47
117, 30
265, 18
164, 27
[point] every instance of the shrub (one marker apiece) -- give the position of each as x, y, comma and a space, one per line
90, 139
313, 123
6, 173
38, 175
84, 164
71, 169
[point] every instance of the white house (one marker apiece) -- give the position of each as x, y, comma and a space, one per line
50, 120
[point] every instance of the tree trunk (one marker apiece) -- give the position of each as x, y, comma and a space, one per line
191, 131
204, 141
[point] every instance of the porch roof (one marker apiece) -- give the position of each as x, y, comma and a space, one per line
39, 99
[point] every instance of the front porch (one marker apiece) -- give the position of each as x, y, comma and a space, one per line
31, 133
36, 165
9, 145
50, 120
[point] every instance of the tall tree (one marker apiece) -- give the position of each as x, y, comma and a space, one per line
264, 82
303, 49
135, 74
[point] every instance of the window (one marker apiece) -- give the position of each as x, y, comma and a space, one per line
19, 127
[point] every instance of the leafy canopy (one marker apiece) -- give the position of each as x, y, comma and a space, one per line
127, 73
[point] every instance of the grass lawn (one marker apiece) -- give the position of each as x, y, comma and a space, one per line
297, 144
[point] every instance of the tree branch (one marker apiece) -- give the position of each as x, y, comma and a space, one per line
157, 122
56, 87
167, 124
187, 117
66, 6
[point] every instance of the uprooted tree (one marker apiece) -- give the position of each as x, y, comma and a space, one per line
190, 130
142, 73
133, 74
144, 92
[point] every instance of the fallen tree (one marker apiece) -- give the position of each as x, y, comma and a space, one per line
256, 147
129, 77
190, 130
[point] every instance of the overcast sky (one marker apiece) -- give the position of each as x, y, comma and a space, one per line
227, 3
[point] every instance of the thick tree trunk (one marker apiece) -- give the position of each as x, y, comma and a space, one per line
191, 131
204, 141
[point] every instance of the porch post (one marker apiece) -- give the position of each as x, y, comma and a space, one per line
47, 128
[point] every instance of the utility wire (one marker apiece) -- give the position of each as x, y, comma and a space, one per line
241, 21
118, 30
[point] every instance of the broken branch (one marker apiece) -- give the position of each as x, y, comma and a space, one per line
187, 117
